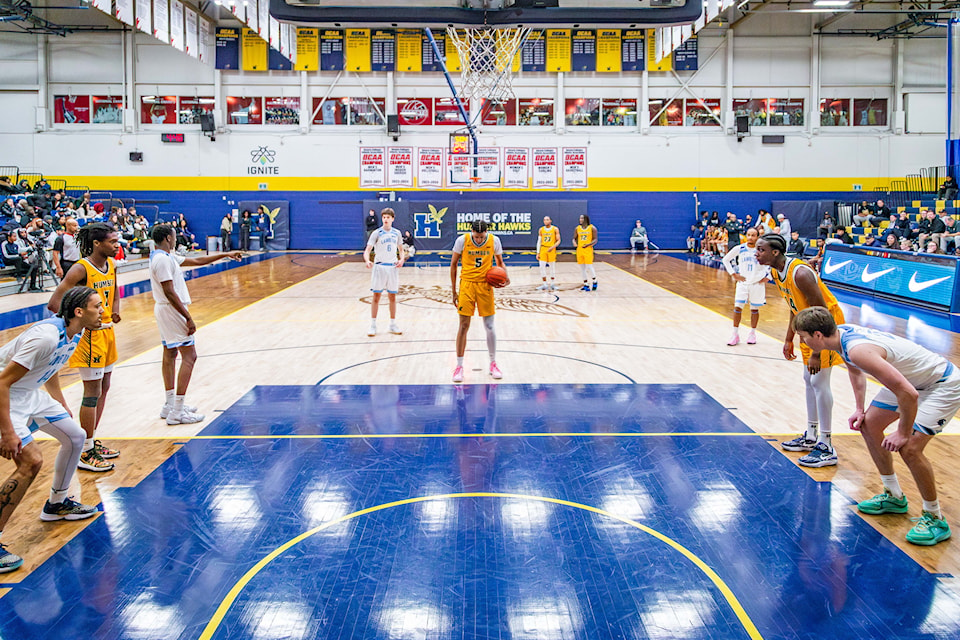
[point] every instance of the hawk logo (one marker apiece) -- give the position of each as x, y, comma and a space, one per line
428, 224
941, 422
270, 213
97, 359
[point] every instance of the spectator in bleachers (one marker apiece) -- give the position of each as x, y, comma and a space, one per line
695, 239
881, 213
796, 246
891, 240
40, 202
83, 202
24, 187
948, 239
892, 225
827, 225
714, 219
7, 187
783, 227
41, 186
9, 210
930, 228
863, 215
906, 244
766, 221
408, 248
948, 190
872, 242
906, 227
843, 236
932, 246
184, 236
12, 255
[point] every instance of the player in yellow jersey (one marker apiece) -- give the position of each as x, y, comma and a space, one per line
479, 250
548, 239
584, 238
97, 351
802, 288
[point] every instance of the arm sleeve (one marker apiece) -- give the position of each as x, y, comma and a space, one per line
458, 245
372, 241
497, 246
727, 260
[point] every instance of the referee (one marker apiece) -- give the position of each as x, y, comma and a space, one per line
65, 249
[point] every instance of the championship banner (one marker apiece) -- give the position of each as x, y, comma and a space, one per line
430, 167
263, 23
372, 167
559, 50
176, 24
574, 167
358, 50
545, 169
101, 5
609, 51
144, 21
206, 52
191, 42
488, 165
254, 56
308, 49
276, 225
161, 20
437, 222
123, 11
516, 168
400, 167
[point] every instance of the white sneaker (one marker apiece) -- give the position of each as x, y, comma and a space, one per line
372, 331
167, 408
543, 287
184, 417
394, 329
553, 287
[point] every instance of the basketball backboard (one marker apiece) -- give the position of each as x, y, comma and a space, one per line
531, 13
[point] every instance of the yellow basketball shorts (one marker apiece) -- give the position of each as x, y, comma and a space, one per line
585, 256
827, 358
97, 349
475, 296
547, 256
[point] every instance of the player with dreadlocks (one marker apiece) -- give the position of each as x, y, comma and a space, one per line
31, 399
97, 352
801, 288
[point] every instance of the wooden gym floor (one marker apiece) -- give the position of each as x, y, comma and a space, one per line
634, 378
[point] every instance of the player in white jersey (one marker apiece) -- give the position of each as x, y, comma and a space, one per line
751, 278
386, 245
921, 391
31, 399
171, 301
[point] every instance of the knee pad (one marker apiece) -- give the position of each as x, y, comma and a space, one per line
89, 401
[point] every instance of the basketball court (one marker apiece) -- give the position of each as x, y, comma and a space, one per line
615, 483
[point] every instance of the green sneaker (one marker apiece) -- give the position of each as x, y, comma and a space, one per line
929, 530
883, 503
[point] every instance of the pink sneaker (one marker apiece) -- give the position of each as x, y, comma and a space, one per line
734, 341
751, 338
458, 374
495, 371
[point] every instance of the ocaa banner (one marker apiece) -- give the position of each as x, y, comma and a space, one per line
435, 224
276, 225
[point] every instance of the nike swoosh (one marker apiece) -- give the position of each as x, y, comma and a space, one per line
915, 286
866, 276
830, 267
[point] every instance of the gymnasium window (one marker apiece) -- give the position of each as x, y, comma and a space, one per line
158, 110
279, 110
242, 110
535, 112
870, 112
618, 113
582, 112
499, 114
671, 116
698, 114
835, 112
192, 107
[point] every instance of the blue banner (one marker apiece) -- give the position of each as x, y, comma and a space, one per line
435, 224
686, 56
228, 48
919, 278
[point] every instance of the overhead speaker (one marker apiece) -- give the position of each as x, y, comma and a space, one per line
136, 156
743, 124
207, 125
393, 125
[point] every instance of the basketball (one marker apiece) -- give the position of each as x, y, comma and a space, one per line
497, 276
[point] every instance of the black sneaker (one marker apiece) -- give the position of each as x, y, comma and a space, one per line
66, 510
9, 561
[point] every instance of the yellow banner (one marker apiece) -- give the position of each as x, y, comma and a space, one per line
308, 49
652, 65
608, 51
254, 56
453, 56
409, 50
559, 50
358, 50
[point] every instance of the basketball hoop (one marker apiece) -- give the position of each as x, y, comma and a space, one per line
486, 60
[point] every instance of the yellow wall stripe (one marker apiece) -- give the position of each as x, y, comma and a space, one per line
728, 594
351, 183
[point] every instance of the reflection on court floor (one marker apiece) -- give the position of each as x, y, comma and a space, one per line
512, 511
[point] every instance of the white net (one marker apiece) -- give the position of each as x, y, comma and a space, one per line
487, 57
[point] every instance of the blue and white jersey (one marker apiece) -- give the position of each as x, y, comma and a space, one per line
385, 245
43, 349
746, 264
921, 367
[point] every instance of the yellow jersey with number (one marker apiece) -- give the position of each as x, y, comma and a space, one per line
476, 259
548, 238
103, 282
586, 235
795, 298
